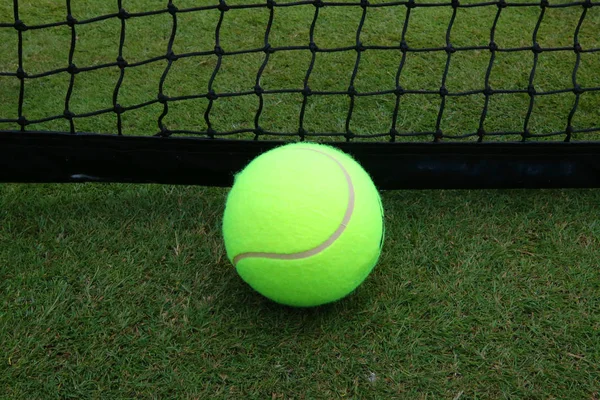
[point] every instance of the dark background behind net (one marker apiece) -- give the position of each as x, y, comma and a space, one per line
344, 97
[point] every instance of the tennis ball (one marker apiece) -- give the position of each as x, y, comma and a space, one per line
303, 224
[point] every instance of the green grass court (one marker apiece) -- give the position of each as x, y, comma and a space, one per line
112, 291
124, 291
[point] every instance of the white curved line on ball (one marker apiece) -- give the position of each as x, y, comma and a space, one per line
311, 252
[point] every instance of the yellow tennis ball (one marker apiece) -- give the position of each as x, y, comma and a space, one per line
303, 224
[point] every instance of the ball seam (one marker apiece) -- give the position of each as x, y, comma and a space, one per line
327, 243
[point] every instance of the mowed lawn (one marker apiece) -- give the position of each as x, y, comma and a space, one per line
124, 291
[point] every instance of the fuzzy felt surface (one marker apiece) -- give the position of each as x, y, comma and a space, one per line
303, 224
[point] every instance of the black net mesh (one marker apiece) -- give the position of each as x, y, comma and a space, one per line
340, 70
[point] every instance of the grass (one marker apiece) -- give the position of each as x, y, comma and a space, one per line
148, 37
124, 291
120, 291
